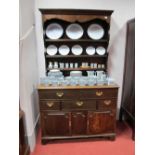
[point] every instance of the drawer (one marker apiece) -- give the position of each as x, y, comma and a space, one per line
106, 104
78, 94
50, 105
59, 94
99, 93
79, 105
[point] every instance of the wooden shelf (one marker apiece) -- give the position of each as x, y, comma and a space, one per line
78, 40
40, 87
77, 69
76, 56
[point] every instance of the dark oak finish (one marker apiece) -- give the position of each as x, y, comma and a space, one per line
76, 12
128, 95
79, 123
69, 112
101, 122
55, 123
79, 112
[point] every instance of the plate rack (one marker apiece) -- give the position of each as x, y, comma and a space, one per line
84, 18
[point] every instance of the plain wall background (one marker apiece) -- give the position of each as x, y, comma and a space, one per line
28, 69
124, 10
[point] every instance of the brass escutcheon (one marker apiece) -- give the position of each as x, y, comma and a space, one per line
107, 102
99, 93
50, 104
79, 103
59, 94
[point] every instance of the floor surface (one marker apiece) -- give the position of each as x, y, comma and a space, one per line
123, 145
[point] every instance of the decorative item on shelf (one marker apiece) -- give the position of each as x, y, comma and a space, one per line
64, 50
100, 50
90, 73
95, 31
55, 65
95, 65
90, 50
84, 65
103, 66
61, 65
99, 73
76, 65
67, 65
50, 65
77, 50
99, 66
75, 73
71, 65
54, 31
74, 31
52, 50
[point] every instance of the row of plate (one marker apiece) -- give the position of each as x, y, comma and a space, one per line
74, 31
76, 50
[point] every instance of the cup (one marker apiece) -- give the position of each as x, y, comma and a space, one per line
102, 66
92, 65
95, 65
99, 65
50, 65
71, 65
90, 73
99, 73
61, 65
55, 65
66, 65
76, 65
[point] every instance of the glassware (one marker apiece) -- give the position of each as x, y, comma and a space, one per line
90, 73
50, 65
61, 65
55, 64
71, 65
95, 65
92, 81
44, 81
76, 65
66, 65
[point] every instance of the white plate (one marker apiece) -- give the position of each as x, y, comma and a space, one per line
100, 50
90, 50
64, 50
54, 31
52, 50
95, 31
77, 50
74, 31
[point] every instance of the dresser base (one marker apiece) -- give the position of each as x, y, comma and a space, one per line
109, 136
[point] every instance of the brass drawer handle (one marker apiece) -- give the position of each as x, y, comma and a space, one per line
107, 102
99, 93
59, 94
50, 104
79, 103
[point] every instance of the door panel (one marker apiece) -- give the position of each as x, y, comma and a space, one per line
79, 123
56, 123
101, 122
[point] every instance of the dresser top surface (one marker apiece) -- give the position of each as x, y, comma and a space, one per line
42, 87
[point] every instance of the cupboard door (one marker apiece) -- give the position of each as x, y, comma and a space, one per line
56, 124
101, 122
79, 123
